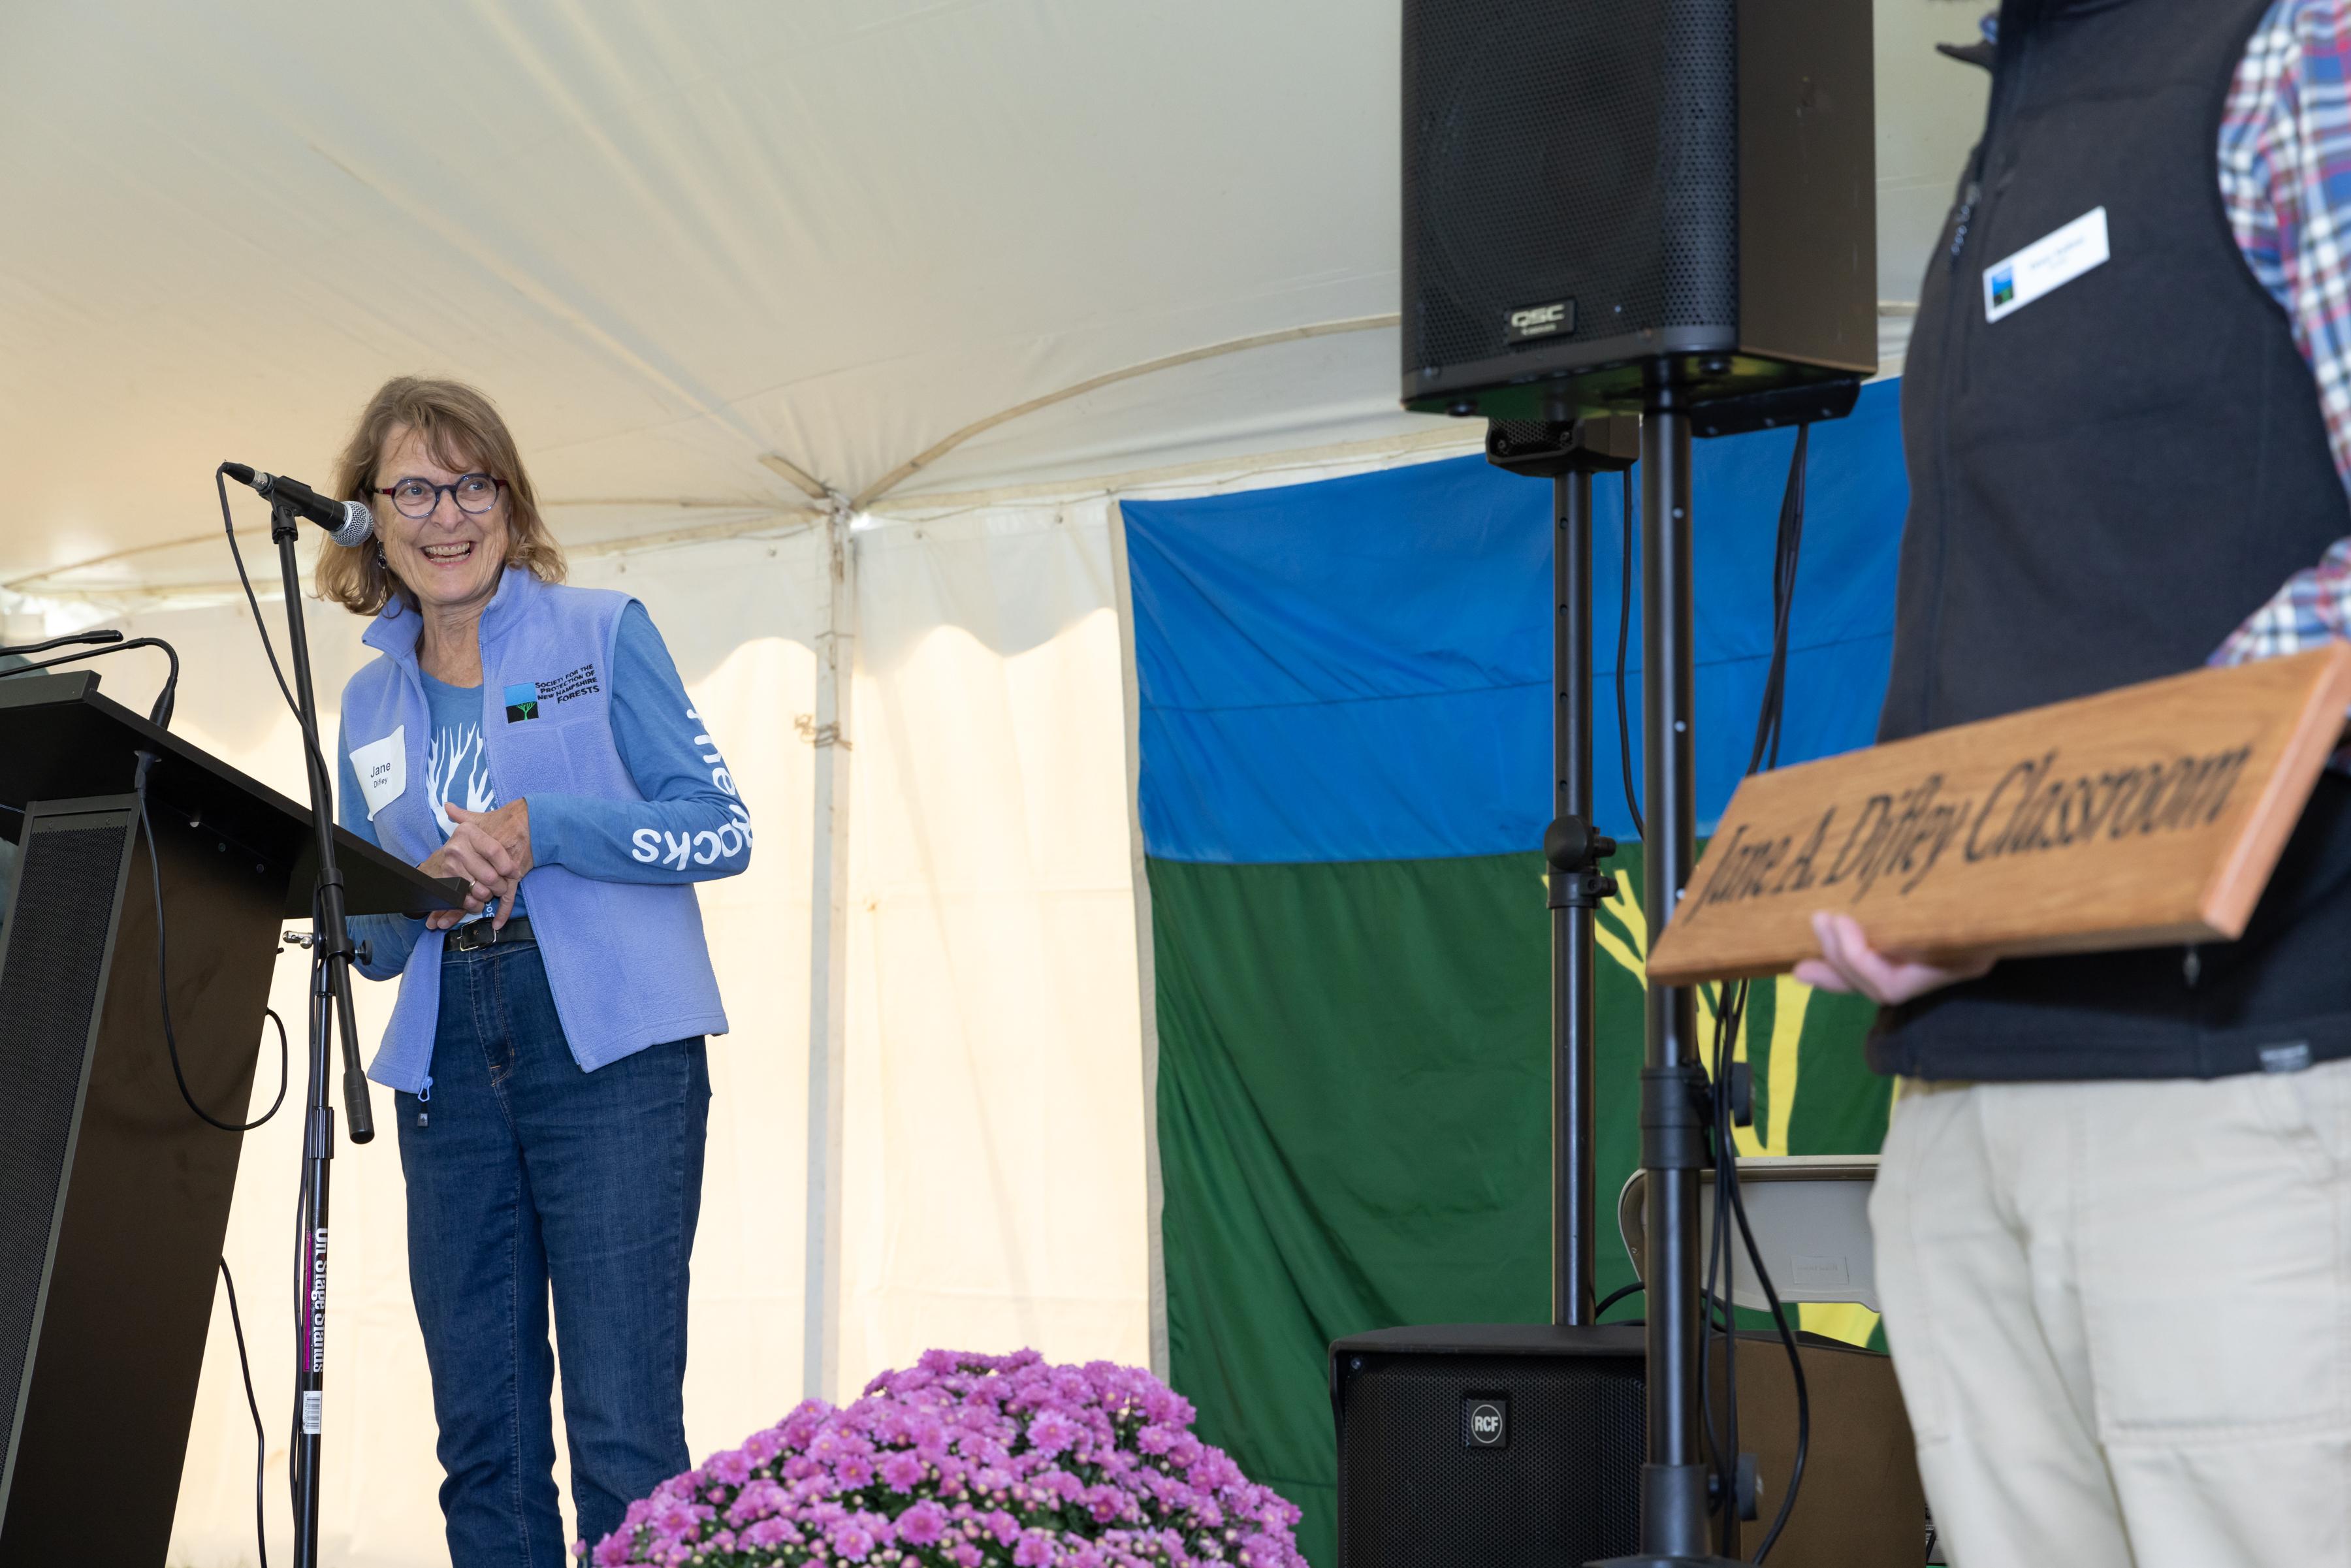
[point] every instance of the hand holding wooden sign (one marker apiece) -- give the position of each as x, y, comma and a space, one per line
2135, 818
1848, 963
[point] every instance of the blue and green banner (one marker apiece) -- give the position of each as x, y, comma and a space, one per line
1345, 775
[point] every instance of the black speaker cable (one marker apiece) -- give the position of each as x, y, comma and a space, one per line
1624, 638
260, 1444
163, 978
1731, 1009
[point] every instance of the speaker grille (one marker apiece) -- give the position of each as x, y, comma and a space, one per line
1507, 436
1565, 1491
51, 966
1551, 152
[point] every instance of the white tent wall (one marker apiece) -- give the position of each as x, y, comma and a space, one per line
994, 1169
992, 1154
740, 617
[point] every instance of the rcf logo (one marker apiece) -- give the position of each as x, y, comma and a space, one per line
1485, 1421
1541, 321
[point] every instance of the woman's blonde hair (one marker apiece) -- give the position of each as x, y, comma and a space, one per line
462, 430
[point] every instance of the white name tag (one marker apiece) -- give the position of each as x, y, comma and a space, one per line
383, 768
2053, 260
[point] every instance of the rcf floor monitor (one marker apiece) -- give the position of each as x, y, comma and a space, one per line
1519, 1446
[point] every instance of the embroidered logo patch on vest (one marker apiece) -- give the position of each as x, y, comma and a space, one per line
525, 699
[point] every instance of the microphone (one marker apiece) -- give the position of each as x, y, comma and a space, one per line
346, 522
103, 634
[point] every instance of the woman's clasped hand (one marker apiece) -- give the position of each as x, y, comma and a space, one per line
484, 850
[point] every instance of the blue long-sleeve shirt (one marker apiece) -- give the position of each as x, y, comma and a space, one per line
691, 826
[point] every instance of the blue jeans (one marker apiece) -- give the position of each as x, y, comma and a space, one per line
524, 1172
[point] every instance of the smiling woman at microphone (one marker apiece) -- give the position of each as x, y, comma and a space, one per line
546, 1051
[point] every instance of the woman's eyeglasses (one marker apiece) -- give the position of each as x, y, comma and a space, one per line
475, 494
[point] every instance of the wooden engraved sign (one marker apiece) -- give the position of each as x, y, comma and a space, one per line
2144, 816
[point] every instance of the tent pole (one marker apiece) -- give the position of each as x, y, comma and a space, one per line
828, 960
1145, 955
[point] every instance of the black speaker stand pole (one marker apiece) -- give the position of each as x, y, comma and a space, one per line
1574, 847
1676, 1504
331, 1007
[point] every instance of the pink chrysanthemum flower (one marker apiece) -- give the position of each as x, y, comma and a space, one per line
969, 1461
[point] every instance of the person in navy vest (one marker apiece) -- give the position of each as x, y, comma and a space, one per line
2113, 1214
546, 1053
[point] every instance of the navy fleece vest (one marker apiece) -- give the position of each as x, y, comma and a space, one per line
2104, 484
626, 961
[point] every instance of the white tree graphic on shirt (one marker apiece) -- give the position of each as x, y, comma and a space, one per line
454, 751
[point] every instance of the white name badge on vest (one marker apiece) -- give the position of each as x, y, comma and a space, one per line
2053, 260
383, 768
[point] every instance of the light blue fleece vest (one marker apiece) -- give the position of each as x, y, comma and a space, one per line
626, 961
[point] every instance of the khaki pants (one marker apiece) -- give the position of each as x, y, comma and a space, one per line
2121, 1317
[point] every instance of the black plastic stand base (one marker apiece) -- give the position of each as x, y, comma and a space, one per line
1673, 1505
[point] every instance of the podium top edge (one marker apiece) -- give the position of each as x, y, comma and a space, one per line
33, 687
191, 786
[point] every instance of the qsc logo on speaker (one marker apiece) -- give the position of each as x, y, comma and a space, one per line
1547, 320
1485, 1421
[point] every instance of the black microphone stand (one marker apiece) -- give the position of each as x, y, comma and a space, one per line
329, 1011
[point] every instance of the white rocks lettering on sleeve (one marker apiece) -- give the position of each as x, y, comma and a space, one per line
727, 845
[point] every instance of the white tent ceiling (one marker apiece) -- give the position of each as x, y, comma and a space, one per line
693, 246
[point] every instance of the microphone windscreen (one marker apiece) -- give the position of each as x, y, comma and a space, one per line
359, 525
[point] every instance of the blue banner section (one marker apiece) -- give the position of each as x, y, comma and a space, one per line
1359, 669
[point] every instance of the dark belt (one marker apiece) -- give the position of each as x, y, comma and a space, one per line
475, 935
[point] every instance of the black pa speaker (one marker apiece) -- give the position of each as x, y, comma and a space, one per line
1519, 1446
1503, 1444
1590, 187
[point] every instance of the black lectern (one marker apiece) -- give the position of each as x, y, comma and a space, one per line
114, 1197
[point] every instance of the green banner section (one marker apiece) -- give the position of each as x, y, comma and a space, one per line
1355, 1092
